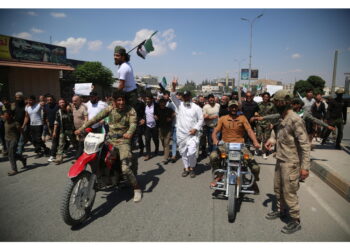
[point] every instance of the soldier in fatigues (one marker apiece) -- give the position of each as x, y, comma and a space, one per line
293, 160
122, 123
263, 128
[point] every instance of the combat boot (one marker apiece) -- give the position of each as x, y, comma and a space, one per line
59, 159
291, 227
274, 215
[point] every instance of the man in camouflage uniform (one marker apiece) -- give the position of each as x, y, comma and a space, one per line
122, 125
293, 160
63, 128
264, 128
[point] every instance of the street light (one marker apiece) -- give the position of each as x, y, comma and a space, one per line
251, 38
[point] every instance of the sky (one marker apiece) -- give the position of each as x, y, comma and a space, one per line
197, 44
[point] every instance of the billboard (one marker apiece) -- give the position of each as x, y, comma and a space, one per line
244, 74
254, 74
21, 49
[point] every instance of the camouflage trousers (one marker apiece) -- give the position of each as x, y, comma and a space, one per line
263, 132
215, 161
286, 185
62, 140
123, 152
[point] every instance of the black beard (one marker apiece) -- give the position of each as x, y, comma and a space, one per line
93, 101
20, 103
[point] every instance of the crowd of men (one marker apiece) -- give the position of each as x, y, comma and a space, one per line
193, 125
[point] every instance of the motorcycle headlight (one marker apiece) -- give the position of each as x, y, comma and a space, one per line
246, 156
223, 155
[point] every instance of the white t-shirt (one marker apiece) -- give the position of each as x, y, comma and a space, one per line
34, 113
94, 109
211, 111
150, 121
126, 73
308, 104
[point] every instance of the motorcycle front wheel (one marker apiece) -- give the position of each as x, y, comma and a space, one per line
232, 203
76, 205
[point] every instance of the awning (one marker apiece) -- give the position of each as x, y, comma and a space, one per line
35, 65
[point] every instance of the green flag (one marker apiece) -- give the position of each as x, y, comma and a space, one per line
145, 47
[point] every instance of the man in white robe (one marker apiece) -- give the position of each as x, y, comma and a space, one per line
189, 122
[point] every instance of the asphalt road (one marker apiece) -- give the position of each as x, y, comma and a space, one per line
173, 208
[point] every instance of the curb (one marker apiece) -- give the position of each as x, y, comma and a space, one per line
333, 179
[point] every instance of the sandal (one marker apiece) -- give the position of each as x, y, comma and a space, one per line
185, 173
192, 174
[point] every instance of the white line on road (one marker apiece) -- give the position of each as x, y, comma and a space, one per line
341, 222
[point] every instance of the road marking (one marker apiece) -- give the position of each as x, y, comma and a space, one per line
341, 222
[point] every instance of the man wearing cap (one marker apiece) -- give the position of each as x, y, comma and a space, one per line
293, 160
188, 124
125, 75
233, 128
336, 116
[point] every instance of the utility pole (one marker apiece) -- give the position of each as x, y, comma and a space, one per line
334, 72
251, 44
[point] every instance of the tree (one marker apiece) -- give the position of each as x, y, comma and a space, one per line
95, 73
302, 86
317, 83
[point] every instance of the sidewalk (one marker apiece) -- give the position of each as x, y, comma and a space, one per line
333, 167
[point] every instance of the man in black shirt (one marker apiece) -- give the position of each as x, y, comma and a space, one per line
164, 118
249, 107
19, 114
336, 117
140, 130
224, 105
50, 110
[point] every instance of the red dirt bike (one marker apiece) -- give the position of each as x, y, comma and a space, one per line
92, 172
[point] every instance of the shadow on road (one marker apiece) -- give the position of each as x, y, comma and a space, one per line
150, 177
112, 200
271, 198
201, 168
34, 166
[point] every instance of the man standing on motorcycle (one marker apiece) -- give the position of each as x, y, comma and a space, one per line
122, 125
233, 128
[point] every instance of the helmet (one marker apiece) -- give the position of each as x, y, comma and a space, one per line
282, 95
298, 101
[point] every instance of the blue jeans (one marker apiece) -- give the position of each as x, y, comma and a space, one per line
173, 146
209, 131
20, 145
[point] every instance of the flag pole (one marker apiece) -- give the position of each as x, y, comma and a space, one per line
142, 42
136, 46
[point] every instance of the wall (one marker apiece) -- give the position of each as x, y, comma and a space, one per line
33, 81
